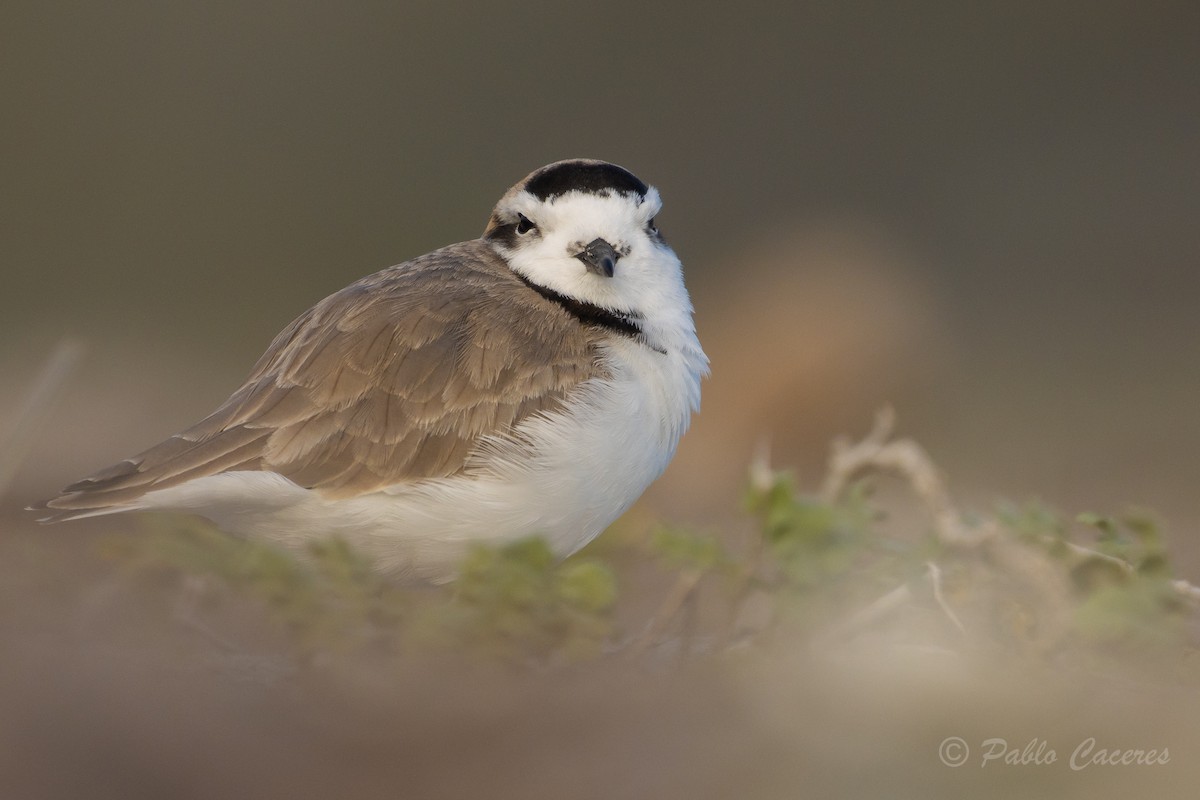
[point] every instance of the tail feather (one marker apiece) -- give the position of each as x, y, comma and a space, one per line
170, 463
66, 515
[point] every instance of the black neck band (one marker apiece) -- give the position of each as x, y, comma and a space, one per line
589, 313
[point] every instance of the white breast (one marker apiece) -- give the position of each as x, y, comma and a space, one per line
565, 476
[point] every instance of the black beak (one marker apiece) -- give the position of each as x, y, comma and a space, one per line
599, 257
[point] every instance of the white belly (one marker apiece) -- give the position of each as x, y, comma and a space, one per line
564, 476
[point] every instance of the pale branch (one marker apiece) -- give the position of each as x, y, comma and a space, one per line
907, 459
864, 618
935, 578
21, 432
1187, 591
685, 584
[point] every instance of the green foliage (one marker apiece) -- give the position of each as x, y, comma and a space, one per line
1036, 580
518, 601
514, 602
1130, 603
1140, 612
332, 599
682, 549
1133, 538
1033, 522
811, 542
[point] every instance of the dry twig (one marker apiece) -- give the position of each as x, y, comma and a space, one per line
935, 578
683, 588
906, 458
22, 431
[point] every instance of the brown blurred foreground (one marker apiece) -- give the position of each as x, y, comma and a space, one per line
113, 686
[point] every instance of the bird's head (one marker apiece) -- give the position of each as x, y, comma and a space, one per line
586, 230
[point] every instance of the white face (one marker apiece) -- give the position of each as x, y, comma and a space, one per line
551, 234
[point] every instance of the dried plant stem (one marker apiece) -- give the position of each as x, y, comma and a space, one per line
683, 588
1188, 591
864, 618
22, 431
905, 457
185, 612
935, 578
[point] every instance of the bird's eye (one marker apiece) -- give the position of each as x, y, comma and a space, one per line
524, 224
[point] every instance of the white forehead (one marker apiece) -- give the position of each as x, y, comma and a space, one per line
614, 208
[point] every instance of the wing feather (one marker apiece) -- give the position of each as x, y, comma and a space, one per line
399, 377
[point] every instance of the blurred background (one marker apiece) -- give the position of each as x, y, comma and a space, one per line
982, 214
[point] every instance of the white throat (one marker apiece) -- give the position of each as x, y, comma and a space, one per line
647, 282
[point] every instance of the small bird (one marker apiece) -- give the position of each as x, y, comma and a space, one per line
533, 381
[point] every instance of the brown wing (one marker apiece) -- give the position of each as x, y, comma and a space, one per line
396, 377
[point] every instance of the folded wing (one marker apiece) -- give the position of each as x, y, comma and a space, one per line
396, 378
